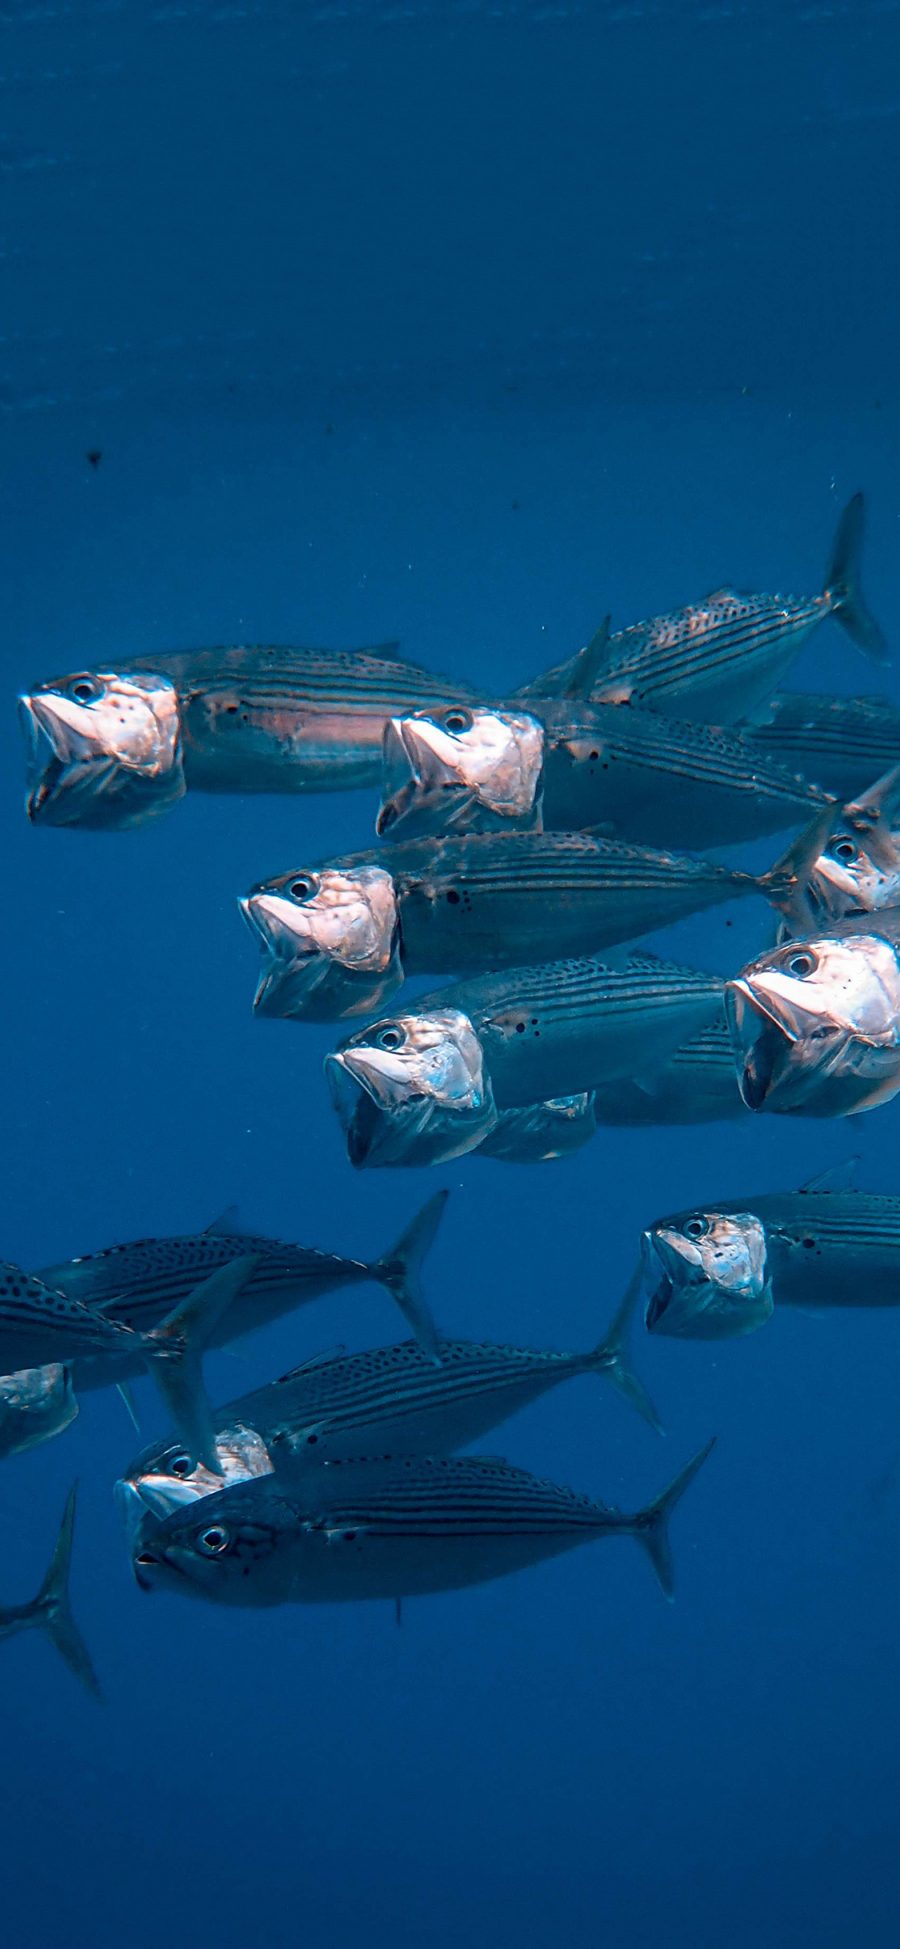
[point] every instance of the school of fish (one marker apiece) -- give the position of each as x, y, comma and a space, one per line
524, 847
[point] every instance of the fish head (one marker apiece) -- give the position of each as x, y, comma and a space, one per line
854, 875
170, 1479
35, 1404
208, 1550
104, 748
412, 1089
815, 1025
707, 1275
330, 939
462, 769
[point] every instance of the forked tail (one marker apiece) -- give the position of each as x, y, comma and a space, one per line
400, 1268
843, 586
650, 1527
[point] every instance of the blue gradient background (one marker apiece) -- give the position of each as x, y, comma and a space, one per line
462, 324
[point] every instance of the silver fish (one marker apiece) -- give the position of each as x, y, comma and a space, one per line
387, 1400
51, 1610
340, 936
695, 1084
112, 747
638, 775
35, 1404
142, 1281
538, 1133
40, 1326
405, 1526
843, 742
819, 1247
427, 1085
717, 660
815, 1023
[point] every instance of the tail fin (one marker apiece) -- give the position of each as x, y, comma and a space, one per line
51, 1607
650, 1527
399, 1270
609, 1357
174, 1350
786, 884
843, 587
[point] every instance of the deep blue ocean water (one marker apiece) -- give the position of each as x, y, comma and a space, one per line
461, 324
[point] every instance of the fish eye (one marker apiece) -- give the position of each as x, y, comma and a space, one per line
696, 1227
801, 964
842, 849
303, 887
182, 1466
457, 720
214, 1540
392, 1037
85, 690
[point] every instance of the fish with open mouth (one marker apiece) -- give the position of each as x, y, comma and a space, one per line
142, 1281
721, 1268
392, 1527
387, 1400
51, 1610
842, 742
852, 862
41, 1325
425, 1086
115, 746
340, 937
638, 775
36, 1403
815, 1023
718, 659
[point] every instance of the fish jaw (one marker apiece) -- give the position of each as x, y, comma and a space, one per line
484, 776
713, 1287
423, 1101
334, 954
111, 759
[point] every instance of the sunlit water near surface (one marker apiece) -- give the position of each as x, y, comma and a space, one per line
462, 326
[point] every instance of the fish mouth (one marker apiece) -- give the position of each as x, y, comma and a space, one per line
658, 1302
46, 769
365, 1123
760, 1041
135, 1514
403, 755
290, 959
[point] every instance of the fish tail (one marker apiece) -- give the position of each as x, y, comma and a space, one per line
52, 1610
843, 587
399, 1269
610, 1356
650, 1527
173, 1352
785, 885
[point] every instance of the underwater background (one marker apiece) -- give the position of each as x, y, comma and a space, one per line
457, 324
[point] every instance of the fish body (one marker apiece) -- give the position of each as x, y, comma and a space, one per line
397, 1527
428, 1085
813, 1248
718, 659
842, 742
142, 1281
695, 1084
112, 747
35, 1404
815, 1023
51, 1611
538, 1133
640, 776
340, 936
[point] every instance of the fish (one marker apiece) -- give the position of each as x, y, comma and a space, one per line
386, 1400
851, 864
723, 1267
36, 1403
339, 937
386, 1528
112, 747
695, 1084
426, 1086
538, 1133
51, 1611
632, 774
842, 742
41, 1325
815, 1022
140, 1282
718, 660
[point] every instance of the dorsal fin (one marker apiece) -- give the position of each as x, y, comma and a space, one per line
227, 1224
323, 1359
837, 1177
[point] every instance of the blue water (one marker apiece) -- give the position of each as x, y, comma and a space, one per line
461, 324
